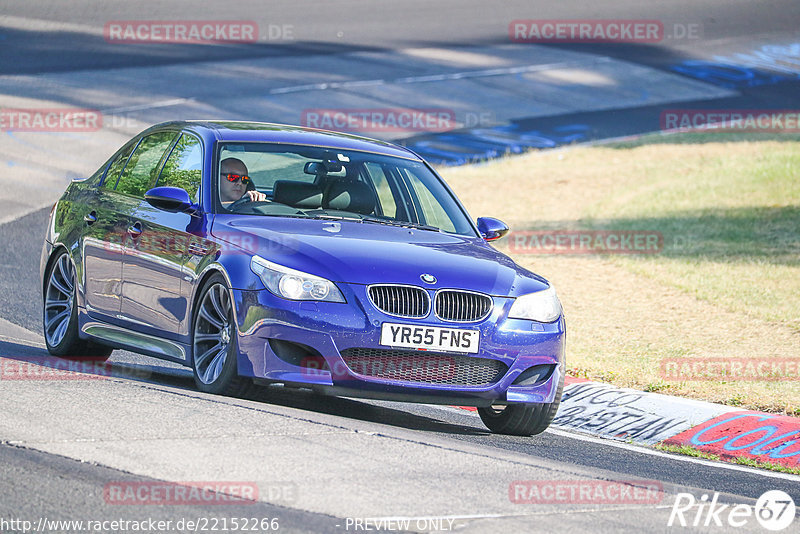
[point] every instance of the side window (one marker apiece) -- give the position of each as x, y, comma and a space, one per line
140, 171
385, 197
184, 165
116, 167
434, 213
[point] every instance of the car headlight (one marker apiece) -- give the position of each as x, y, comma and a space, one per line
294, 285
542, 306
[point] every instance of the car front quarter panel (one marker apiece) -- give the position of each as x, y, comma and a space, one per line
330, 328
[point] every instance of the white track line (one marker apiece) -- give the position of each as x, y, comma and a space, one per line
153, 105
11, 339
641, 449
505, 71
45, 25
556, 431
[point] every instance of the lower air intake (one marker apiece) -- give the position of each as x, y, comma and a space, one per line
424, 367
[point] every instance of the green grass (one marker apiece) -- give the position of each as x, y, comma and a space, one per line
731, 228
725, 285
688, 138
686, 450
766, 465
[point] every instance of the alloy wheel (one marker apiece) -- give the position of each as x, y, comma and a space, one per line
59, 298
213, 333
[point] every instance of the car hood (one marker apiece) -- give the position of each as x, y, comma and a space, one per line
370, 253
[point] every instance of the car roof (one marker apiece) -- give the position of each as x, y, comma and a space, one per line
243, 132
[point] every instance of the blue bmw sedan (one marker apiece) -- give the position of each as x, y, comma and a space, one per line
262, 254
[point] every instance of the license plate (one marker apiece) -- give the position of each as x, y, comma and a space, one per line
430, 337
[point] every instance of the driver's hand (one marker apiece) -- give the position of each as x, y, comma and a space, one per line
256, 196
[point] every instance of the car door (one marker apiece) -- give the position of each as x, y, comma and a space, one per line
154, 293
105, 222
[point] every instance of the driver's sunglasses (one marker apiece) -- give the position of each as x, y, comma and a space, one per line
236, 177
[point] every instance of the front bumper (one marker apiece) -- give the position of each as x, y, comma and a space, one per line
328, 330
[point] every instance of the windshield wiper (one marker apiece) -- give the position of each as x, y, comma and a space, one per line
377, 220
361, 219
336, 218
405, 224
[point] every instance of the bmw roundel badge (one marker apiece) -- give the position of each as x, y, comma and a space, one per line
428, 278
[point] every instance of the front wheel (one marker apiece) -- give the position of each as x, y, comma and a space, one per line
214, 347
60, 315
521, 419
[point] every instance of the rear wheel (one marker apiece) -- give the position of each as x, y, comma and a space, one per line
60, 315
521, 419
214, 347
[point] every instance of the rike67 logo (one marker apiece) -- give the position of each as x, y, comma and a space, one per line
774, 511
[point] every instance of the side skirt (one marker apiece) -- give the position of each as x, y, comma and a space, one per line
123, 338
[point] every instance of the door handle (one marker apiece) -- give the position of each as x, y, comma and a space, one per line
135, 229
90, 218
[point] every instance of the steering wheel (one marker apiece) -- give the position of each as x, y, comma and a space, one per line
239, 203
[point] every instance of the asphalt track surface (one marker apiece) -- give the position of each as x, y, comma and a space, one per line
461, 425
334, 28
52, 471
348, 25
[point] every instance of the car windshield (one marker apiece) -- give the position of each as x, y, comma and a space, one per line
328, 183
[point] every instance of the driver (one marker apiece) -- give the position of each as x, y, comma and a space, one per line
233, 182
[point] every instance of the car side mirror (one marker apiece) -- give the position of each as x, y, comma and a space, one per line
491, 229
172, 199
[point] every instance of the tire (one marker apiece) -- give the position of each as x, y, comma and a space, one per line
214, 343
60, 314
521, 419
